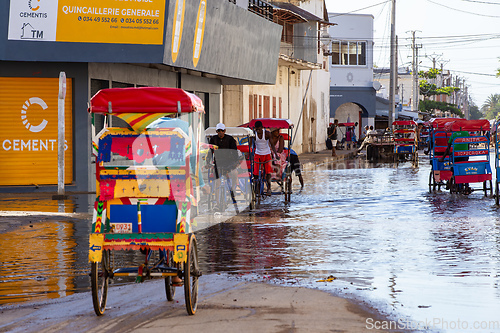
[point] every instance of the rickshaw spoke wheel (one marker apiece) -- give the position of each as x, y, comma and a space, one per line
99, 277
288, 188
191, 275
169, 288
497, 195
431, 179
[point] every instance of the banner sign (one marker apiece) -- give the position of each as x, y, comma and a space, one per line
29, 135
88, 21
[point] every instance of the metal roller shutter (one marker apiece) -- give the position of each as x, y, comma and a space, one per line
28, 135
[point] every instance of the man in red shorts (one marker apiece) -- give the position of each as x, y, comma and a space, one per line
263, 150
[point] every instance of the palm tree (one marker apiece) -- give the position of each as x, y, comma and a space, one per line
491, 106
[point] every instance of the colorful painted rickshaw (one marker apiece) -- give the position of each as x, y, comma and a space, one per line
405, 140
220, 191
282, 170
438, 143
496, 138
147, 179
469, 155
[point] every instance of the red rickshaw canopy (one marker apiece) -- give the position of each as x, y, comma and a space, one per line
270, 123
468, 125
144, 100
440, 122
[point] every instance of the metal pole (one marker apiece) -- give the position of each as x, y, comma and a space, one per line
392, 82
60, 134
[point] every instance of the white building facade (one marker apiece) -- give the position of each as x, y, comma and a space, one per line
352, 90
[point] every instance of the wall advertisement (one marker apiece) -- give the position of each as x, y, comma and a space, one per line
88, 21
28, 140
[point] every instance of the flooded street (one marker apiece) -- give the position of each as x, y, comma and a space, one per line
383, 237
375, 228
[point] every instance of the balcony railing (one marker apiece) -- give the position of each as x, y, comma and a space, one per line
261, 8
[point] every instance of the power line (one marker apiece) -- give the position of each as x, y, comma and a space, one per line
462, 11
484, 2
464, 72
357, 10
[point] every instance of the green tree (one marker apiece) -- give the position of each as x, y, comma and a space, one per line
429, 107
474, 112
491, 107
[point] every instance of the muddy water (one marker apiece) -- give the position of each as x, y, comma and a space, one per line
431, 257
434, 258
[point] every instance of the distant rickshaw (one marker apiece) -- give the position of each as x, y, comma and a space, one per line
496, 137
441, 172
405, 140
282, 175
470, 155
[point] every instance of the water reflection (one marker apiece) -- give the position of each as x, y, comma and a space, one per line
43, 202
376, 228
37, 261
381, 234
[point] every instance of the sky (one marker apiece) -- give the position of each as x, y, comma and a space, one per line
463, 35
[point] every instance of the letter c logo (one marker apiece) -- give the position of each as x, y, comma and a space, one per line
33, 8
24, 118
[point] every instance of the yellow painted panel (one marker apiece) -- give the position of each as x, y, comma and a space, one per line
28, 139
111, 21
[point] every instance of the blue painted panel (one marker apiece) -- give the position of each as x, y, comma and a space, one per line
155, 218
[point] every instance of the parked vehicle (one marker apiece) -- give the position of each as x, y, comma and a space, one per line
405, 141
440, 173
147, 181
470, 155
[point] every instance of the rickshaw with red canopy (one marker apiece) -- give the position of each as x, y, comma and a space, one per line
469, 155
405, 140
147, 179
282, 175
496, 137
438, 142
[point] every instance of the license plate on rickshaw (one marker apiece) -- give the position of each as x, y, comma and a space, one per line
121, 228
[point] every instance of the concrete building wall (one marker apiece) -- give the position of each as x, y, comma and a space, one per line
352, 93
352, 27
405, 86
232, 46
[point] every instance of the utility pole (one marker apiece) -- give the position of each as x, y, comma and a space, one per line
466, 103
416, 87
392, 82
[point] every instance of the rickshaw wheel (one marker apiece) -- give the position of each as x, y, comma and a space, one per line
191, 274
288, 189
497, 195
452, 185
169, 288
99, 277
252, 196
432, 182
485, 188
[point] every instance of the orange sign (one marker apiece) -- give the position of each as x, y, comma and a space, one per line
111, 21
28, 139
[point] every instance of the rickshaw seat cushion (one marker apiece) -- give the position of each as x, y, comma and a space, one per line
154, 218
